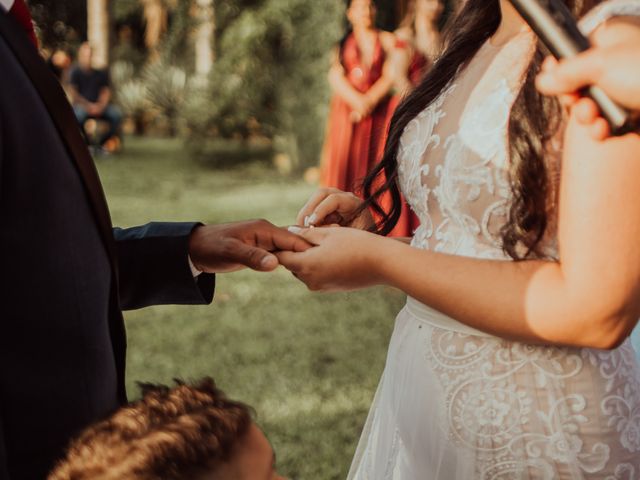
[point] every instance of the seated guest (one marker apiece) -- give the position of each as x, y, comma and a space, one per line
91, 94
188, 432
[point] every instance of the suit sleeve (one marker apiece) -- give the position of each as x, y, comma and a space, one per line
154, 267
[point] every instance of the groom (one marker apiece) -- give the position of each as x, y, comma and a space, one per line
65, 274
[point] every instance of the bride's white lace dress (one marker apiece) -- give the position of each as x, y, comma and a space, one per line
453, 402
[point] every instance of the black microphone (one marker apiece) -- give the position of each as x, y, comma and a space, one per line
554, 24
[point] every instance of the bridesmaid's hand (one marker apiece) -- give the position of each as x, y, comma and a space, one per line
361, 109
343, 259
330, 206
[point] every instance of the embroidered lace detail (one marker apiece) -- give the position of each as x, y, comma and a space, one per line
473, 175
536, 427
415, 141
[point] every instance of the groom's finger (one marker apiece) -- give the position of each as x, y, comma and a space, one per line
253, 257
282, 239
267, 236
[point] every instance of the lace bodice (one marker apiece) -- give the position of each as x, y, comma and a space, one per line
453, 157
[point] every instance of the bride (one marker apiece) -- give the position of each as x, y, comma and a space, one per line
511, 358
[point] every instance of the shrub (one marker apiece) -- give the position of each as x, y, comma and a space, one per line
269, 78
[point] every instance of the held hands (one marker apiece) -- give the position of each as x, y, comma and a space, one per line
230, 247
342, 259
361, 108
613, 64
95, 109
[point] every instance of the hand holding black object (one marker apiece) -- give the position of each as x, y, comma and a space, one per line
554, 24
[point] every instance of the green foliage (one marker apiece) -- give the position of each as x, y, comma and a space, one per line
125, 9
270, 74
176, 45
166, 87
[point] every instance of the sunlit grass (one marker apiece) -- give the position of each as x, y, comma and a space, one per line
308, 363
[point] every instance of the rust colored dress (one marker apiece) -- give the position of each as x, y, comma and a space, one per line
408, 221
351, 150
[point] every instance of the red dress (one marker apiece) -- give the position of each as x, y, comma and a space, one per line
408, 221
351, 150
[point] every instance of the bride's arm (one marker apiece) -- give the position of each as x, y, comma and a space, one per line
590, 298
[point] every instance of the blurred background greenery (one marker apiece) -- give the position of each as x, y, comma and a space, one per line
212, 69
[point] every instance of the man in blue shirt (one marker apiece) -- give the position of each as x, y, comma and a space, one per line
91, 95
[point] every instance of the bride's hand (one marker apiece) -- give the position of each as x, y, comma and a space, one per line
330, 206
343, 259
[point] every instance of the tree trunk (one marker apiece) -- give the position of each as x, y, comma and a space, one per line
204, 36
98, 31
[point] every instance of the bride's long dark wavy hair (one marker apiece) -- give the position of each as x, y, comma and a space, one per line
533, 121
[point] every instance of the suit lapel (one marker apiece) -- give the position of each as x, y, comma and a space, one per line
62, 115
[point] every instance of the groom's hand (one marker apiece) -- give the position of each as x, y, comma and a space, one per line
233, 246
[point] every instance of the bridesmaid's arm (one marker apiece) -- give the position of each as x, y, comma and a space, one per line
341, 87
381, 88
400, 58
590, 298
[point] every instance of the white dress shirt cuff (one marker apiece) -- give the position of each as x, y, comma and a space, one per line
194, 271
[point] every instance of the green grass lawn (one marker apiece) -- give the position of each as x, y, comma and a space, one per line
307, 363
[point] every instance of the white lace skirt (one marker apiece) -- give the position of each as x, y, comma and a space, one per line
455, 404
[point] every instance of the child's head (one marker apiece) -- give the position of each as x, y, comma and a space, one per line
188, 432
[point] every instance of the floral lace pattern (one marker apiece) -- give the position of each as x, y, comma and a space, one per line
536, 426
462, 199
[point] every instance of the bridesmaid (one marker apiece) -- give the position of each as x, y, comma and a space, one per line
361, 80
418, 42
417, 45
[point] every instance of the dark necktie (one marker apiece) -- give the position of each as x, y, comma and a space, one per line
21, 13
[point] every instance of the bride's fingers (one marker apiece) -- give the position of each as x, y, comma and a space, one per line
313, 202
336, 208
328, 211
292, 261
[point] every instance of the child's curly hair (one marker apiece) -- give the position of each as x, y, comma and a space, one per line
172, 433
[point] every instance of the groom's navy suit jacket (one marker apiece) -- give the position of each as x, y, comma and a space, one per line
65, 275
